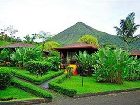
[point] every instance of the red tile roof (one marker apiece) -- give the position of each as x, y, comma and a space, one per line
17, 45
77, 46
135, 52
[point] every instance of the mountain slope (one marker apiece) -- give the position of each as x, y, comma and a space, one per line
73, 33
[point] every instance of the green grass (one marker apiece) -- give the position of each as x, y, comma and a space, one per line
15, 93
3, 43
91, 86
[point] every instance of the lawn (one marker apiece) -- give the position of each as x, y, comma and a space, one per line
91, 86
16, 93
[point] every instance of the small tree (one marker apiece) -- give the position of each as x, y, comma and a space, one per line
30, 38
5, 55
44, 36
89, 39
50, 45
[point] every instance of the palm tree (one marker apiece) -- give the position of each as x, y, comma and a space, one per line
127, 29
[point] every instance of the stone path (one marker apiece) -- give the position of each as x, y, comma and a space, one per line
124, 98
45, 84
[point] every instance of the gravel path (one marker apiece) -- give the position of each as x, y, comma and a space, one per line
124, 98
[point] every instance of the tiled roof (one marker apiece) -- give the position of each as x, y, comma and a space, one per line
135, 52
77, 45
17, 45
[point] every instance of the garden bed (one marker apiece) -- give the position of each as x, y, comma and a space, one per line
26, 75
31, 88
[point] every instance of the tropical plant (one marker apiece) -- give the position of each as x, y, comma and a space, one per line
38, 67
23, 55
5, 56
55, 63
110, 65
89, 39
50, 45
69, 71
44, 36
85, 62
127, 29
30, 38
132, 70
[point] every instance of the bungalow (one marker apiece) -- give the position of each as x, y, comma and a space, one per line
68, 52
135, 53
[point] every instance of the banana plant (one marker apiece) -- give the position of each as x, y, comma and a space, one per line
111, 65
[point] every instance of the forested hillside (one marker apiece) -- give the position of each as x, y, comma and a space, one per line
73, 33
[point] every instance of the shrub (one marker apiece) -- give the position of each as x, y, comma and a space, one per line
5, 77
89, 39
23, 55
55, 63
54, 84
31, 88
110, 65
38, 67
5, 57
86, 63
37, 80
132, 70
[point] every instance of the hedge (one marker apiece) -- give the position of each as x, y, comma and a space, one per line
31, 88
54, 85
36, 80
5, 77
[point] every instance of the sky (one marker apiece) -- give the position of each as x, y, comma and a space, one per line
32, 16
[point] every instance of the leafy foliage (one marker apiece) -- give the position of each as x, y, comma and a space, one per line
55, 62
30, 38
3, 43
132, 71
127, 28
41, 67
5, 55
37, 67
89, 39
23, 55
110, 65
50, 45
5, 77
86, 63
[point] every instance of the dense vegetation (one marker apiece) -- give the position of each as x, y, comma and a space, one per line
110, 65
73, 33
3, 43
